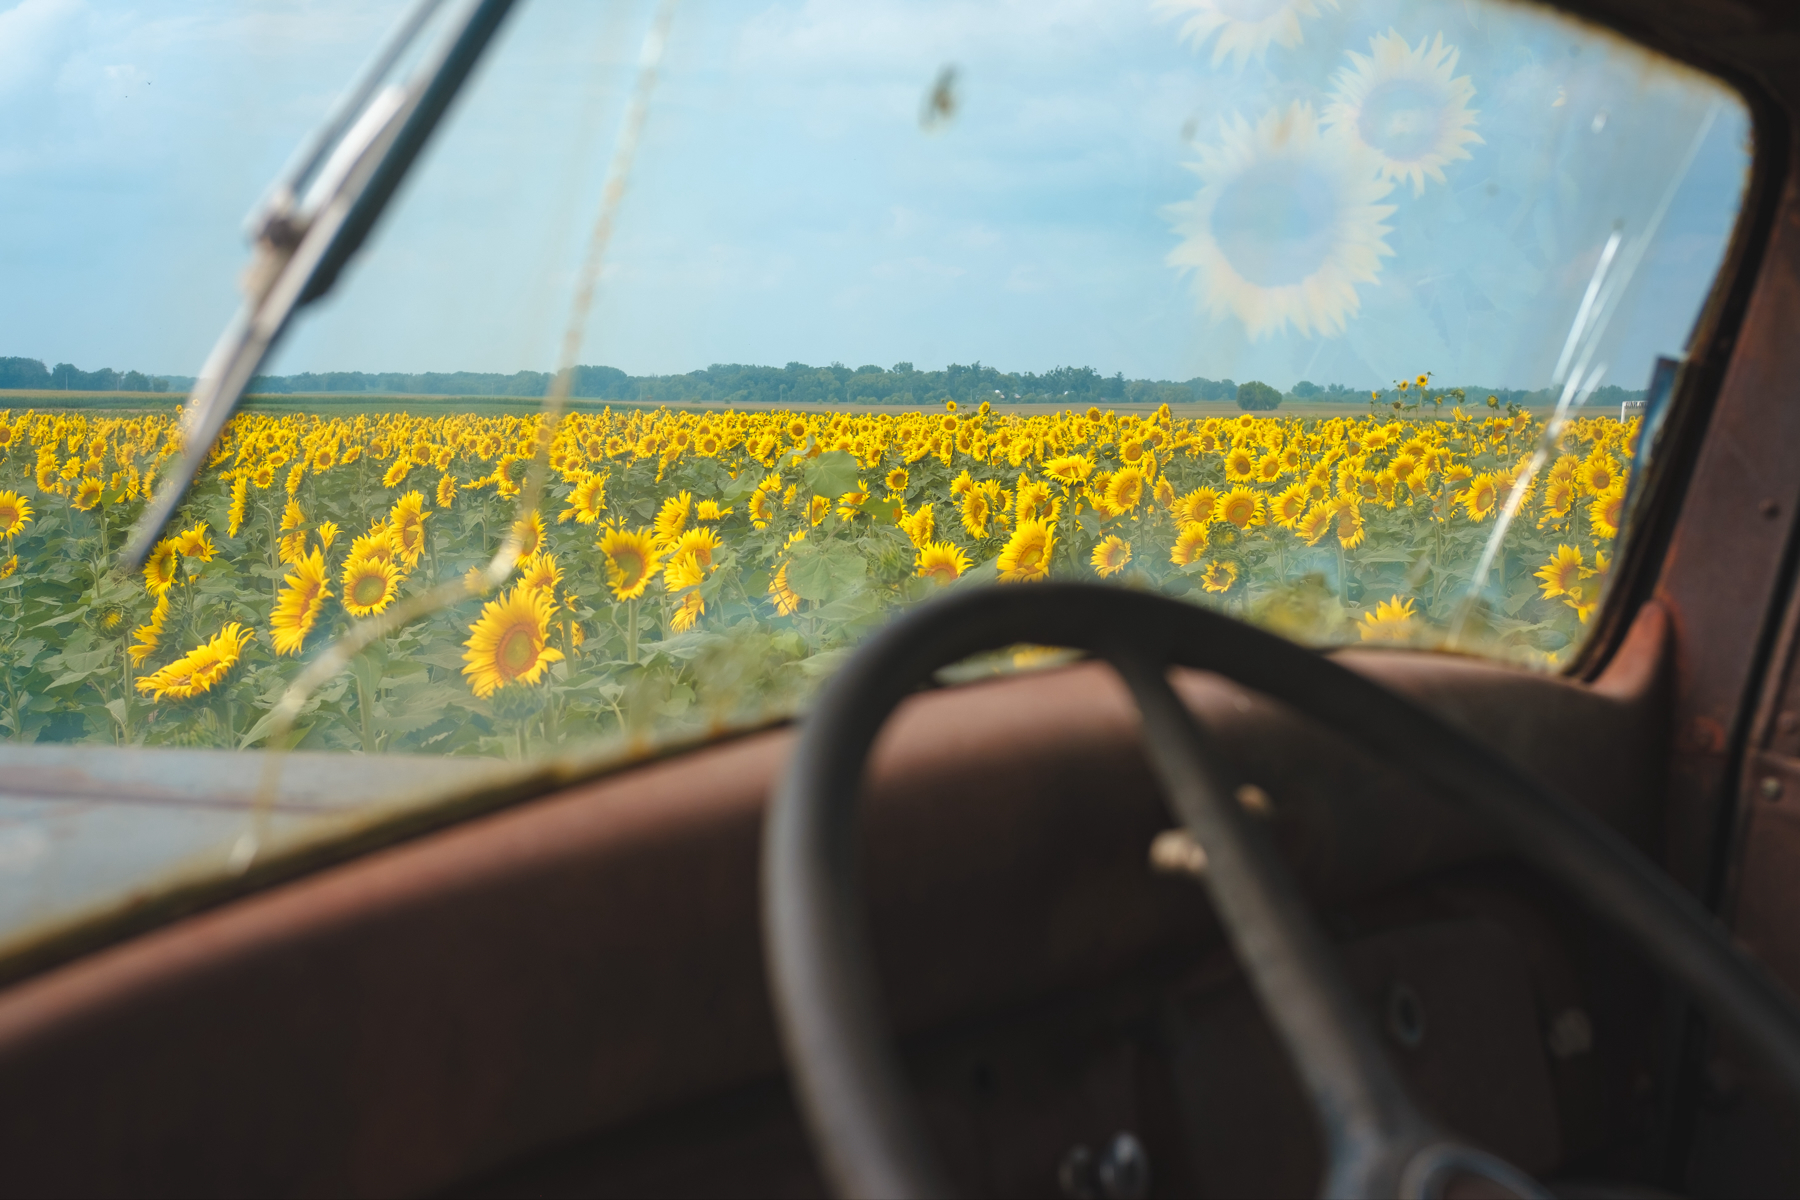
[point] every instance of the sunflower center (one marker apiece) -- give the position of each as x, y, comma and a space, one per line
1401, 118
1277, 223
517, 651
368, 590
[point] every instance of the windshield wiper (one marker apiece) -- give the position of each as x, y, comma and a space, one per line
312, 222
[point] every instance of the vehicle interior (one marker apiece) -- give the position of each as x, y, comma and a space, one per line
1184, 907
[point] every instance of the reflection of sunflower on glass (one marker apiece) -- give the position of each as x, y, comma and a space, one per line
1402, 103
1245, 27
510, 642
1285, 226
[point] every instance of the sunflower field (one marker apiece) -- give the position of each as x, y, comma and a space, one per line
703, 569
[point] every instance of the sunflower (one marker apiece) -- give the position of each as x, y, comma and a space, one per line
631, 561
818, 509
1286, 224
540, 571
1563, 573
1124, 491
896, 481
1268, 468
1392, 621
975, 512
1559, 493
263, 477
1242, 507
1220, 575
787, 601
407, 521
700, 544
1032, 501
370, 585
299, 604
292, 544
328, 533
509, 643
240, 505
377, 543
1190, 544
446, 491
195, 543
963, 484
587, 501
941, 561
1069, 470
1110, 556
1244, 30
711, 510
1198, 507
200, 669
1598, 473
15, 514
687, 614
672, 518
1290, 506
1481, 496
1401, 103
88, 493
762, 502
1607, 511
1164, 493
149, 635
159, 568
529, 530
1027, 553
1240, 465
1350, 528
919, 527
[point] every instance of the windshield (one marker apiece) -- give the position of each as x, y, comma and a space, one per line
1342, 317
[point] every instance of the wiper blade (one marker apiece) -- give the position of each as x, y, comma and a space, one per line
314, 219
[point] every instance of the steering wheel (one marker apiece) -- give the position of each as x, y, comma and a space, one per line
848, 1077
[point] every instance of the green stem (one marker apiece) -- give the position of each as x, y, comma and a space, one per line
631, 631
364, 711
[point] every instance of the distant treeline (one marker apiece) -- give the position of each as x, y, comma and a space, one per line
66, 377
796, 383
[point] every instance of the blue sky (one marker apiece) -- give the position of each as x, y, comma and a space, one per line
787, 205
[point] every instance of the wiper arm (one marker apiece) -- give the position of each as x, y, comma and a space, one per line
313, 221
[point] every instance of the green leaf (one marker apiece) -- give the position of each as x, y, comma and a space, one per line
825, 572
832, 474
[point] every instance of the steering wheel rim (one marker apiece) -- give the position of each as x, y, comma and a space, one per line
822, 977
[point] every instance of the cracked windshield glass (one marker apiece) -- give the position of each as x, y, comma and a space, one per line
1342, 317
